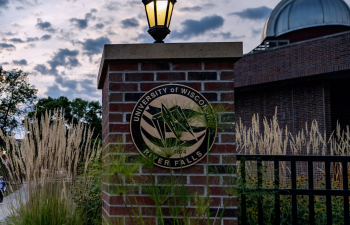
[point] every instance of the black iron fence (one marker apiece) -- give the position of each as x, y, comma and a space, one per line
294, 191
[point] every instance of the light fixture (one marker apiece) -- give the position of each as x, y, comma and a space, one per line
3, 152
159, 14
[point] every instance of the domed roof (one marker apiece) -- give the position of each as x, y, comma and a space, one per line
291, 15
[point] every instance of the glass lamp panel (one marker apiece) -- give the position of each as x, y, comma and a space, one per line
170, 12
150, 14
161, 11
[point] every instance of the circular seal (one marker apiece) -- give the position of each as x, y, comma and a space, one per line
170, 122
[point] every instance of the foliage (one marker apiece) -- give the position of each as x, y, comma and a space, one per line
45, 206
268, 202
15, 95
87, 193
74, 111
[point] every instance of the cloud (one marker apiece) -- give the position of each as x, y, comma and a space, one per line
4, 3
10, 33
112, 6
79, 23
45, 37
64, 82
128, 23
4, 63
22, 62
16, 40
64, 57
31, 39
83, 23
19, 7
193, 28
99, 26
46, 26
143, 38
41, 68
8, 47
191, 9
256, 32
253, 13
94, 46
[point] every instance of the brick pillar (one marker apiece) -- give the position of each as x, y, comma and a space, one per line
127, 72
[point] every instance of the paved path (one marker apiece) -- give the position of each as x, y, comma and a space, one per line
11, 200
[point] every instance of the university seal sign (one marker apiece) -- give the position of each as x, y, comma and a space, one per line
170, 122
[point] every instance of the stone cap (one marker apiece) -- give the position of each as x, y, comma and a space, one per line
168, 51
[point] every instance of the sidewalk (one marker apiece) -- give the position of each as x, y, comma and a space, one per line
11, 200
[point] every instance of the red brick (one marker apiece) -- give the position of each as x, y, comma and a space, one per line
196, 86
115, 117
228, 96
119, 128
197, 180
218, 65
228, 159
114, 210
170, 76
155, 66
123, 66
121, 107
231, 201
223, 149
227, 75
147, 221
114, 138
187, 66
215, 190
230, 222
141, 200
213, 159
128, 138
219, 86
115, 77
149, 86
115, 97
122, 87
229, 107
228, 138
139, 76
196, 169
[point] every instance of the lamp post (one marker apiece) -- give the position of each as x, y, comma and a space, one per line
159, 14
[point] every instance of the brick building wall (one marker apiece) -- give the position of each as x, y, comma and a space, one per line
308, 58
301, 79
123, 85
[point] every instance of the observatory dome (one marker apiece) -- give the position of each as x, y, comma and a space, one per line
318, 17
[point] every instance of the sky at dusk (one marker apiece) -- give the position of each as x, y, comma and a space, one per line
59, 43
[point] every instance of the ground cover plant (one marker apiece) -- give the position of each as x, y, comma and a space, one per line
48, 161
269, 139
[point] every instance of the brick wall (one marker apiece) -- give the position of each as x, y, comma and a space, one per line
296, 104
123, 86
313, 57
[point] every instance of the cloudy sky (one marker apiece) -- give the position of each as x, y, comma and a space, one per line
59, 43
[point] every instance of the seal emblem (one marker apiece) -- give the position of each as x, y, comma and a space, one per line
170, 121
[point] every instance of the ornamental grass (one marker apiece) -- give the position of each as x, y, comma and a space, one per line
53, 159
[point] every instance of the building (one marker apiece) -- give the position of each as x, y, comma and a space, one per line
302, 66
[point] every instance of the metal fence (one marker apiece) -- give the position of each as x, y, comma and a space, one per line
294, 191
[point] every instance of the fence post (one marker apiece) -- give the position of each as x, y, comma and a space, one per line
277, 195
243, 197
260, 209
294, 196
328, 197
346, 187
311, 196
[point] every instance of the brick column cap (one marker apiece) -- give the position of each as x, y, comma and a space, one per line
169, 51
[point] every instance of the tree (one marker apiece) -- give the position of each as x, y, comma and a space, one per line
78, 109
16, 95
